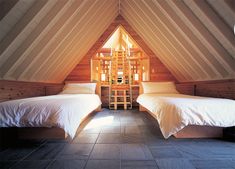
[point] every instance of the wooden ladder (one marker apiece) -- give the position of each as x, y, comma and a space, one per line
120, 90
120, 95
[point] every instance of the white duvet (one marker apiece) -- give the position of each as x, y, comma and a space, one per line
64, 111
175, 111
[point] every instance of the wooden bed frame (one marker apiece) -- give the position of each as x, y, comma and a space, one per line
48, 133
191, 131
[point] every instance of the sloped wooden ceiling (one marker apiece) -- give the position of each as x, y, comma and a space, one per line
43, 40
193, 38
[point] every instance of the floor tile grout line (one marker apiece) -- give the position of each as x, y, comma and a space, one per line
172, 142
22, 159
91, 151
120, 153
52, 161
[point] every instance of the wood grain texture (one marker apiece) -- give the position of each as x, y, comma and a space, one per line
6, 6
222, 89
10, 90
105, 96
218, 88
158, 72
188, 89
82, 72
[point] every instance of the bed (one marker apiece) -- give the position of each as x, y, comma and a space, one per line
185, 116
56, 116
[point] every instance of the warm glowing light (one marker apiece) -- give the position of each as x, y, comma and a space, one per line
102, 77
96, 123
136, 76
120, 73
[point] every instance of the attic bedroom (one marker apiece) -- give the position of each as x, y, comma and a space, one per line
117, 84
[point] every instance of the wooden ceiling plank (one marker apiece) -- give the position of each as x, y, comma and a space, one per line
204, 56
61, 41
107, 17
71, 39
41, 51
224, 11
170, 40
203, 35
139, 26
18, 33
187, 42
130, 17
157, 34
157, 51
6, 6
13, 16
79, 41
55, 42
25, 52
214, 24
16, 48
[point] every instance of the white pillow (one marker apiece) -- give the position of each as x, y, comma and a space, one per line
79, 88
159, 87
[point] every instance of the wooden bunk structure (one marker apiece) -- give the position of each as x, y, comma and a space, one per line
120, 90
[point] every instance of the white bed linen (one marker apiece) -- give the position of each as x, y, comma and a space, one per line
64, 111
175, 111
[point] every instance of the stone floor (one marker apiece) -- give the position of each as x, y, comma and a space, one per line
120, 140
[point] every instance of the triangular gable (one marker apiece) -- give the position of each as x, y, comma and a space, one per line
82, 72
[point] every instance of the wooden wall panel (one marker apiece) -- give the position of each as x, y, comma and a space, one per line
188, 89
218, 89
53, 89
82, 72
10, 90
221, 89
158, 72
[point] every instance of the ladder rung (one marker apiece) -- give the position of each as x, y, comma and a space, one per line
121, 96
120, 89
120, 103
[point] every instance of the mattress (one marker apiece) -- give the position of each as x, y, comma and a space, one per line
65, 111
175, 111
